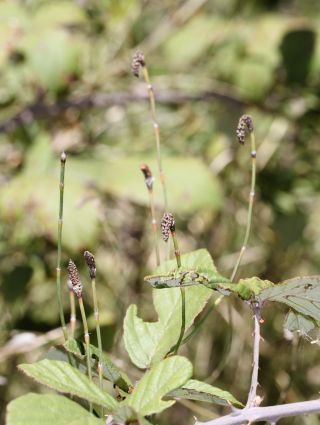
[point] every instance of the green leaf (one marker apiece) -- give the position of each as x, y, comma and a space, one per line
109, 369
250, 288
48, 409
167, 375
148, 343
302, 294
65, 378
197, 390
299, 323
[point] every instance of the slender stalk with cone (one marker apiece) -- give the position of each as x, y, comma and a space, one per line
138, 66
149, 179
168, 227
63, 159
78, 289
91, 263
246, 126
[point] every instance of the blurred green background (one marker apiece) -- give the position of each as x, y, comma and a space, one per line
66, 85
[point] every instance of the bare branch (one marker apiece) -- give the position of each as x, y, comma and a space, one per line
40, 109
270, 413
253, 400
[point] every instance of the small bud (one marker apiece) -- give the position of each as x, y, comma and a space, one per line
63, 157
73, 273
137, 63
148, 177
90, 263
167, 225
245, 126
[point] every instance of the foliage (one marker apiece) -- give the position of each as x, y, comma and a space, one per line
60, 62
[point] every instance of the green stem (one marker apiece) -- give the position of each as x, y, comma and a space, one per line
154, 227
250, 209
96, 317
157, 134
87, 340
73, 316
176, 249
182, 292
197, 326
183, 319
60, 224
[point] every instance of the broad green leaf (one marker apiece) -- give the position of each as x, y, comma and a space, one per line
65, 378
299, 323
148, 343
167, 375
302, 294
197, 390
109, 369
48, 409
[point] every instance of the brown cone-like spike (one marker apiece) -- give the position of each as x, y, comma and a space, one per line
245, 125
167, 225
148, 177
90, 263
73, 273
137, 63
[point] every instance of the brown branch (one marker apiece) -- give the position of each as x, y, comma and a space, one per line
40, 109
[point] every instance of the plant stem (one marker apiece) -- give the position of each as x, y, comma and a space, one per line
250, 209
86, 339
256, 308
182, 292
96, 317
149, 180
63, 159
176, 248
269, 413
156, 132
154, 227
73, 317
197, 326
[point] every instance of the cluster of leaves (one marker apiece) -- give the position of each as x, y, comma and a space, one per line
148, 345
86, 46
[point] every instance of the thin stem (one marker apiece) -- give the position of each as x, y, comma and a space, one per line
156, 132
73, 317
183, 319
269, 413
250, 209
86, 339
154, 227
176, 249
197, 326
182, 292
96, 317
256, 308
63, 158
